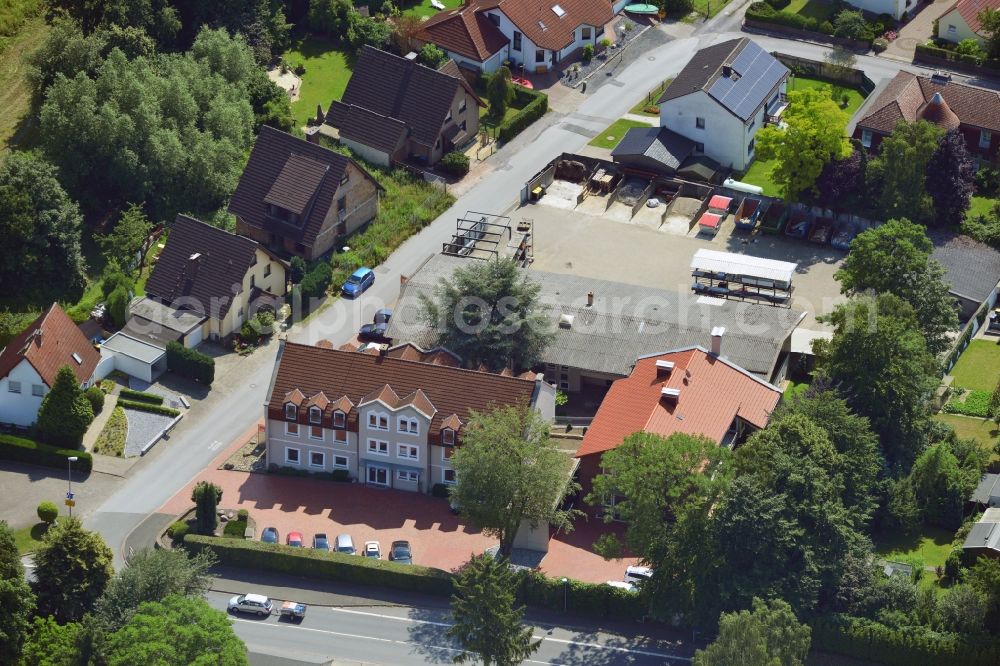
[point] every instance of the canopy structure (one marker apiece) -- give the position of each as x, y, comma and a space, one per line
744, 268
710, 220
719, 202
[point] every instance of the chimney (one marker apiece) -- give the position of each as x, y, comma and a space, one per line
590, 299
717, 334
727, 71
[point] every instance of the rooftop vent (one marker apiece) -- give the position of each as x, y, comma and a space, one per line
76, 357
542, 26
663, 367
727, 71
560, 12
411, 55
670, 394
566, 321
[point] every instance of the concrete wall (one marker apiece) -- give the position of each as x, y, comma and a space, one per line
367, 153
21, 408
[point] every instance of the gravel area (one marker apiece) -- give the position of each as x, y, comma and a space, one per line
142, 427
249, 458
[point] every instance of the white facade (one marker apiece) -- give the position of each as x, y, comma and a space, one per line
953, 28
368, 153
488, 66
21, 393
893, 7
533, 58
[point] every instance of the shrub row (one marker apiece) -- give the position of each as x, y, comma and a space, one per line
762, 11
147, 407
190, 363
976, 403
339, 475
140, 396
535, 106
235, 529
954, 56
29, 451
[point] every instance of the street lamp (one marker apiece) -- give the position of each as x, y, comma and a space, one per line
69, 480
565, 582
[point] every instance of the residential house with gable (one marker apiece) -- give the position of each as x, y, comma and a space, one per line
961, 21
693, 390
386, 420
722, 98
395, 109
298, 198
29, 364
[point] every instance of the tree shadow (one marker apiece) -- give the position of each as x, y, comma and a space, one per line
428, 633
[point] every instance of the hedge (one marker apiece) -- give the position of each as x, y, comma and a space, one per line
536, 105
955, 56
595, 600
140, 396
29, 451
147, 407
190, 363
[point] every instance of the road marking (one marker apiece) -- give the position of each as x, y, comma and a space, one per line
214, 445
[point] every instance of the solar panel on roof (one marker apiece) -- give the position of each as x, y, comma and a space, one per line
758, 73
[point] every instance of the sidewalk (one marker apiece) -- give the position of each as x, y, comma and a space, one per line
94, 431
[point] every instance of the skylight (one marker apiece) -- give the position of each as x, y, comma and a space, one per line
560, 12
76, 357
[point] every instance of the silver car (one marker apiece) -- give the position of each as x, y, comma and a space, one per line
257, 604
345, 544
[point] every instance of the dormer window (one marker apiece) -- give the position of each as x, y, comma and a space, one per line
378, 421
315, 415
448, 436
291, 412
339, 419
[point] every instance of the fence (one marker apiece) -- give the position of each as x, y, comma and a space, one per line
824, 70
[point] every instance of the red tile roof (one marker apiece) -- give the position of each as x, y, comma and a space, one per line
464, 31
539, 23
969, 11
713, 392
48, 344
907, 95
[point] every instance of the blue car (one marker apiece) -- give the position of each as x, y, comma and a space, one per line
359, 281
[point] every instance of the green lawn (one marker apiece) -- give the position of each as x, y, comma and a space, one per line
795, 388
817, 9
968, 427
327, 72
932, 545
709, 8
759, 174
980, 206
487, 122
650, 100
612, 134
15, 95
29, 538
979, 366
423, 8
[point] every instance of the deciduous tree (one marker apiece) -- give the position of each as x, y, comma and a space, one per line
962, 609
841, 179
941, 486
488, 626
499, 92
989, 22
509, 472
65, 413
431, 56
17, 603
128, 241
769, 635
949, 181
72, 569
900, 169
53, 644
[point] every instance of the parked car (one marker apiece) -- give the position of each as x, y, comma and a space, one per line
622, 585
637, 575
373, 550
270, 535
320, 542
376, 330
358, 283
250, 603
345, 544
294, 539
400, 552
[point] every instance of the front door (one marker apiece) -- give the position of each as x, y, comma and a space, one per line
378, 476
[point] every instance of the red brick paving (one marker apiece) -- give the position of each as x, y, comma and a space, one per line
438, 537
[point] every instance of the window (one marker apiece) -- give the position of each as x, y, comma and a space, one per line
448, 475
463, 106
463, 126
317, 459
517, 41
750, 147
315, 415
340, 436
378, 476
340, 462
253, 283
315, 432
539, 55
407, 451
378, 421
585, 32
409, 425
339, 419
291, 428
448, 436
343, 180
267, 269
292, 456
447, 452
14, 387
494, 19
699, 147
866, 138
699, 123
378, 448
564, 386
984, 138
448, 117
38, 390
952, 29
291, 412
407, 475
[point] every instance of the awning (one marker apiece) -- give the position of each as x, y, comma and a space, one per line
719, 202
709, 220
744, 265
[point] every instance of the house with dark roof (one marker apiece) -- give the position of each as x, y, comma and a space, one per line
692, 390
387, 420
395, 109
984, 537
29, 364
975, 112
961, 21
721, 99
653, 149
972, 271
205, 285
298, 198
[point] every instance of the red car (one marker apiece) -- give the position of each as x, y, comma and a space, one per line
295, 539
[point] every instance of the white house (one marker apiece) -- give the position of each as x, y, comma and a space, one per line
961, 21
721, 99
894, 8
29, 364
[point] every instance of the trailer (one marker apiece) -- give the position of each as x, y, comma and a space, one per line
774, 218
293, 610
748, 214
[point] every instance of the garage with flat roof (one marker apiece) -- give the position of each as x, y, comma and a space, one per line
136, 358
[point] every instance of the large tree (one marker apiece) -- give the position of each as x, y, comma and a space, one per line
17, 603
66, 413
841, 179
989, 22
177, 630
652, 479
813, 136
488, 313
951, 175
488, 626
895, 258
129, 240
509, 472
72, 569
40, 257
941, 486
499, 92
878, 359
900, 171
54, 644
769, 635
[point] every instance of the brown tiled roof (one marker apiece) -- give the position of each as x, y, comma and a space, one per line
201, 264
540, 24
437, 356
48, 344
270, 158
441, 390
463, 31
969, 11
936, 111
450, 67
713, 392
386, 85
371, 129
907, 94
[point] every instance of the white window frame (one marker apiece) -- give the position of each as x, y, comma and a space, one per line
377, 450
38, 390
314, 437
388, 476
339, 419
444, 476
952, 29
448, 436
13, 386
866, 138
291, 414
288, 428
585, 32
317, 413
345, 465
378, 418
985, 137
322, 458
407, 476
408, 424
298, 456
338, 434
408, 452
445, 457
699, 122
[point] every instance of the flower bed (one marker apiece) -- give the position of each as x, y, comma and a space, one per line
969, 403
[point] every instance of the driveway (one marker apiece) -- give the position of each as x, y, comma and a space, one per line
917, 31
25, 486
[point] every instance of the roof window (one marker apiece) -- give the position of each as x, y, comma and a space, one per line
560, 12
76, 357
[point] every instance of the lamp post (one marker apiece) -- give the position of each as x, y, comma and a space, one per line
565, 582
69, 482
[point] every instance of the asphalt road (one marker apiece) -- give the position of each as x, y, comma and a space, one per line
408, 635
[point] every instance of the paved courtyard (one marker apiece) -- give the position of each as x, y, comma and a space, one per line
25, 486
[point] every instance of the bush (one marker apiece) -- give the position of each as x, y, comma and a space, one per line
178, 531
976, 403
140, 396
206, 497
880, 44
316, 281
147, 407
537, 105
96, 397
588, 53
987, 181
826, 28
297, 270
190, 363
455, 163
235, 529
970, 47
265, 322
48, 512
29, 451
340, 475
249, 333
243, 515
439, 490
